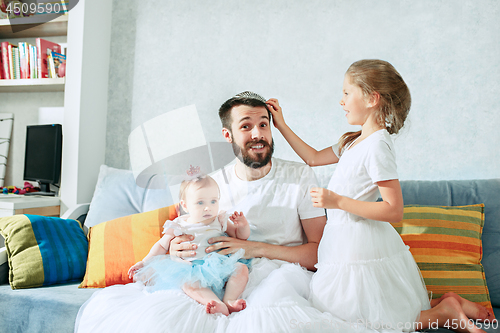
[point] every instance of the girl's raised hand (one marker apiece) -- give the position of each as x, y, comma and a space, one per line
321, 197
276, 111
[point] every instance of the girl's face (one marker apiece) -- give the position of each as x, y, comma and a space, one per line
202, 202
354, 103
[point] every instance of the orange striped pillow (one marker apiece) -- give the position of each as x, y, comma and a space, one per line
116, 245
446, 244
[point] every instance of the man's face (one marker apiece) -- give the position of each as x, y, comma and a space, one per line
251, 135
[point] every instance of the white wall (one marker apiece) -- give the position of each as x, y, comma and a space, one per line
169, 54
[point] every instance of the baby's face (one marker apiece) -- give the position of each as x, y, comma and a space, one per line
202, 203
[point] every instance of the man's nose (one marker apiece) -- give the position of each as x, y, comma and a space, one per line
257, 133
342, 102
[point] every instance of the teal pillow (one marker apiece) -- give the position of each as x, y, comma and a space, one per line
43, 250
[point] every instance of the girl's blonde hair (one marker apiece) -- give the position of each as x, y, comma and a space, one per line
378, 76
200, 180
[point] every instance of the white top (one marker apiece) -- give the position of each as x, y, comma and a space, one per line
273, 205
359, 168
201, 232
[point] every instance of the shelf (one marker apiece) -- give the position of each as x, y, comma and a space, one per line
32, 85
57, 27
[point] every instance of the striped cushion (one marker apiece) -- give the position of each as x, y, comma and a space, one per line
446, 244
116, 245
43, 250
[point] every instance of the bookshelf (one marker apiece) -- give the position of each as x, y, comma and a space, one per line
86, 27
32, 85
56, 27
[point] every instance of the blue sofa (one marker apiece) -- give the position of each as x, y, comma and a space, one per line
54, 308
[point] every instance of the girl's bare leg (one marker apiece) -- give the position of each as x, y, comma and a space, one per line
448, 311
206, 297
235, 287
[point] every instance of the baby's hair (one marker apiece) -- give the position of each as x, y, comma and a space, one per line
378, 76
200, 180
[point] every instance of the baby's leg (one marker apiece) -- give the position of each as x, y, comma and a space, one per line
235, 287
206, 297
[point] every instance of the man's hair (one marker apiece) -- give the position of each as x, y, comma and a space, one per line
245, 98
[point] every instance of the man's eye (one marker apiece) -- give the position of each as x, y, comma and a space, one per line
263, 125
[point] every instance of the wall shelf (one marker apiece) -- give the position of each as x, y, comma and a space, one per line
32, 85
57, 27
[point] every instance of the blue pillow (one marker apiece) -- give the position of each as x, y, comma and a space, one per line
43, 250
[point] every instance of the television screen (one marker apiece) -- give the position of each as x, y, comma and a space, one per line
42, 160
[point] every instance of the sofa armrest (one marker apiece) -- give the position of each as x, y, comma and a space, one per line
76, 212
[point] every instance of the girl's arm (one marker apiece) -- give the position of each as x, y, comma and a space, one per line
390, 209
238, 227
308, 154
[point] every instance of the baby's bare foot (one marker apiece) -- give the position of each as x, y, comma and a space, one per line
236, 306
214, 307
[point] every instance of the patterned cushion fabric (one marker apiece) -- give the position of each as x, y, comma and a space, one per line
116, 245
43, 250
446, 244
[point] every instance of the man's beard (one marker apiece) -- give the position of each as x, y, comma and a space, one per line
260, 160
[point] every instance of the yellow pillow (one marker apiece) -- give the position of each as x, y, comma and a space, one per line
116, 245
446, 244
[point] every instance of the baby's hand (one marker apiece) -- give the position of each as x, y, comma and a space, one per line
239, 220
135, 268
276, 112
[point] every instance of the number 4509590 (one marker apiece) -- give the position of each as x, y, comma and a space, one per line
17, 8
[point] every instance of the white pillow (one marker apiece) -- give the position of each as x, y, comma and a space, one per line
117, 195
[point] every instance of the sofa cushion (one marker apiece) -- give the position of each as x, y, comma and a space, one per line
116, 245
461, 193
446, 244
43, 250
117, 194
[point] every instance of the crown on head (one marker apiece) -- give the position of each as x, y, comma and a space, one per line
193, 171
250, 94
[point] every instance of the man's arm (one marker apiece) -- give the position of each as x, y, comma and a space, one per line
306, 254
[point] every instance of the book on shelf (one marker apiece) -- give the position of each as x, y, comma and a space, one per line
2, 74
44, 49
6, 62
57, 59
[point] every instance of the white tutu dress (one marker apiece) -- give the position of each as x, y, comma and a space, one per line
365, 272
209, 270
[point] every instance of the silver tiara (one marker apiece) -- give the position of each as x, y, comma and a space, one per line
249, 94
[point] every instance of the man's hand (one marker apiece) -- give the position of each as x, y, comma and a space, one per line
321, 197
229, 245
185, 250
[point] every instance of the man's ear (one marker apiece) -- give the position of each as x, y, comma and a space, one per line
227, 135
374, 99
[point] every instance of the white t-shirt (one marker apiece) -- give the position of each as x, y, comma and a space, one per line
273, 205
360, 168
